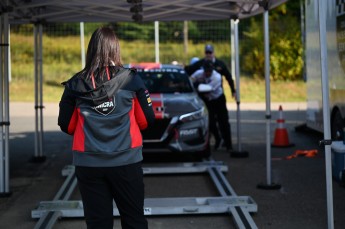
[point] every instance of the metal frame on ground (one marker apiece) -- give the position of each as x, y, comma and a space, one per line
239, 207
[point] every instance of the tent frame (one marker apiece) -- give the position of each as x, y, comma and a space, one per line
54, 11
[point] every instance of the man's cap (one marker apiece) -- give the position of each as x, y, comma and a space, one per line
208, 48
208, 66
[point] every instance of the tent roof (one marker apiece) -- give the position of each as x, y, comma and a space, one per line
31, 11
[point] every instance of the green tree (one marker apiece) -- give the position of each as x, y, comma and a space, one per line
286, 50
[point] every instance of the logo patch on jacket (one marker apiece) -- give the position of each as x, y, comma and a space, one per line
106, 107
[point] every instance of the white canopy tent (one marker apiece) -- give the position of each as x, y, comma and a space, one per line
33, 11
39, 11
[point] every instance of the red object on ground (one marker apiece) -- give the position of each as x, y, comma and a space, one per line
281, 138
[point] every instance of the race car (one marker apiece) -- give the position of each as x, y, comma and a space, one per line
181, 124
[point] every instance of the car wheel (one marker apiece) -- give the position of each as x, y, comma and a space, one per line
337, 126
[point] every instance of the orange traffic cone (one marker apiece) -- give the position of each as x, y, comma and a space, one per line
281, 138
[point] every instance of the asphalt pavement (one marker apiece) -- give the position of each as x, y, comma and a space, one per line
300, 202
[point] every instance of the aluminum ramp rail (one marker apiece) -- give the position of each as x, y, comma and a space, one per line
239, 207
48, 218
156, 206
239, 213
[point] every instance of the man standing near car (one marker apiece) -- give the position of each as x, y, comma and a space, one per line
215, 102
221, 68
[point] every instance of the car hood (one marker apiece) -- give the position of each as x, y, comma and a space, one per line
170, 105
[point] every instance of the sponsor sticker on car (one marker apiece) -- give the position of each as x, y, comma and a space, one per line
189, 133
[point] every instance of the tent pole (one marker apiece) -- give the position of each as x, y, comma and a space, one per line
40, 91
4, 107
269, 184
38, 157
326, 116
36, 89
2, 153
82, 45
235, 57
6, 121
157, 41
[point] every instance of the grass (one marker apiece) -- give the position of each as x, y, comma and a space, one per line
250, 91
61, 59
280, 91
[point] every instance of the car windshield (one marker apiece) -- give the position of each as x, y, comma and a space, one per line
166, 81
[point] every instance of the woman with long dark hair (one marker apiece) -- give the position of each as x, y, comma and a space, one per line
105, 107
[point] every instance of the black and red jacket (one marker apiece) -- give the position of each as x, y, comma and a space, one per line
105, 114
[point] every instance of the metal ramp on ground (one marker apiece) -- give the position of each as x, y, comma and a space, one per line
239, 207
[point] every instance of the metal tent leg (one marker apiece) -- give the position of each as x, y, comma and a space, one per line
4, 106
239, 153
38, 57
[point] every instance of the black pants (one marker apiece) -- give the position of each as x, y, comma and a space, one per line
219, 118
99, 186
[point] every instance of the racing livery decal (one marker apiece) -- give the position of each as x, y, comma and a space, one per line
158, 105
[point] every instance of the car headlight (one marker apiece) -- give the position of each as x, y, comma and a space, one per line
194, 115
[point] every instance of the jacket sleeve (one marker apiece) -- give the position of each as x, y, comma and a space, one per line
190, 69
68, 116
143, 109
225, 72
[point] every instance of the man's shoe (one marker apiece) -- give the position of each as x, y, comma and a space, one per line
218, 143
229, 148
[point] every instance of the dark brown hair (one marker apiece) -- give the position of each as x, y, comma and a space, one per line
103, 50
